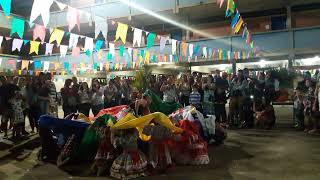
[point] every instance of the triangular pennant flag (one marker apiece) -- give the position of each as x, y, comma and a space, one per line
46, 65
204, 52
6, 6
220, 3
61, 5
196, 51
63, 50
82, 65
95, 66
150, 40
100, 54
238, 26
49, 48
16, 44
130, 51
73, 66
34, 47
190, 50
230, 8
245, 32
66, 66
137, 35
121, 50
251, 44
56, 66
73, 18
99, 44
25, 41
121, 32
37, 64
249, 39
57, 36
1, 40
147, 57
107, 66
235, 19
39, 32
101, 25
75, 52
73, 41
163, 41
184, 48
88, 46
24, 64
174, 46
112, 49
41, 7
17, 27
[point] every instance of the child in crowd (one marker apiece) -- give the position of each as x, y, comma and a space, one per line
195, 98
208, 101
17, 121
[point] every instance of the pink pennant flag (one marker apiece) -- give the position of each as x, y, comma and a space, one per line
39, 32
73, 18
76, 52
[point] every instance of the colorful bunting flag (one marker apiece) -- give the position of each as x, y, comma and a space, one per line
101, 25
16, 44
67, 66
56, 66
150, 40
1, 40
184, 48
6, 6
49, 48
88, 46
204, 52
238, 26
75, 52
37, 64
63, 50
25, 41
230, 8
137, 35
34, 47
57, 36
17, 27
46, 65
163, 41
73, 18
99, 44
190, 50
112, 49
121, 32
235, 19
174, 46
245, 32
41, 7
73, 41
39, 32
24, 64
100, 54
121, 50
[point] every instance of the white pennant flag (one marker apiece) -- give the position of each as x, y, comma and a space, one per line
73, 41
16, 44
112, 48
130, 51
190, 50
163, 42
88, 46
41, 7
174, 46
63, 50
171, 58
101, 25
49, 48
0, 62
137, 37
1, 39
204, 52
61, 5
46, 65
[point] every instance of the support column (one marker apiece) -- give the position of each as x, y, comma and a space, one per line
291, 55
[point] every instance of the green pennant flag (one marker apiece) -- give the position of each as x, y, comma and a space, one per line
95, 66
6, 6
121, 50
231, 6
17, 27
154, 59
151, 38
109, 56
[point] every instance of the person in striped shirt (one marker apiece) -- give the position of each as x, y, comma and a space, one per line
195, 98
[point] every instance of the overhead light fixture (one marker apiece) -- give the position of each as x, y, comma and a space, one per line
262, 63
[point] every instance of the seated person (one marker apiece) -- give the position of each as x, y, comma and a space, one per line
264, 114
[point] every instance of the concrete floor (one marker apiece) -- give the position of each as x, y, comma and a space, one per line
281, 153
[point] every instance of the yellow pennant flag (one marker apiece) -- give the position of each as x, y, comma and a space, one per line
107, 66
82, 65
20, 72
121, 32
116, 66
62, 73
220, 54
57, 36
34, 47
56, 66
24, 64
238, 26
147, 58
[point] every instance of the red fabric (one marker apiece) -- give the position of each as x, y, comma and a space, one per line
134, 155
112, 111
160, 146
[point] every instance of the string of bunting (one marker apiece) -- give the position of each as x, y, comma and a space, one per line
140, 57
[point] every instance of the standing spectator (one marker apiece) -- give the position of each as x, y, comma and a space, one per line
195, 98
69, 100
44, 98
84, 96
23, 93
125, 92
169, 91
154, 85
110, 94
75, 88
96, 98
17, 121
32, 100
53, 104
222, 86
184, 89
118, 94
208, 100
269, 91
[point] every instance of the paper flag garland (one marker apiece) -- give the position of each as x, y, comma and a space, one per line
230, 8
25, 41
100, 54
61, 5
39, 32
17, 27
163, 41
57, 36
112, 49
56, 66
130, 51
6, 6
41, 7
150, 40
245, 32
73, 18
49, 48
101, 25
137, 35
249, 40
73, 41
121, 32
16, 44
75, 52
190, 50
46, 65
238, 26
24, 64
235, 19
66, 66
204, 52
99, 44
1, 39
88, 46
121, 50
34, 47
174, 46
184, 48
63, 50
37, 64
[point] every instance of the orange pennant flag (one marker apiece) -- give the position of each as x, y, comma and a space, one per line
24, 64
184, 48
